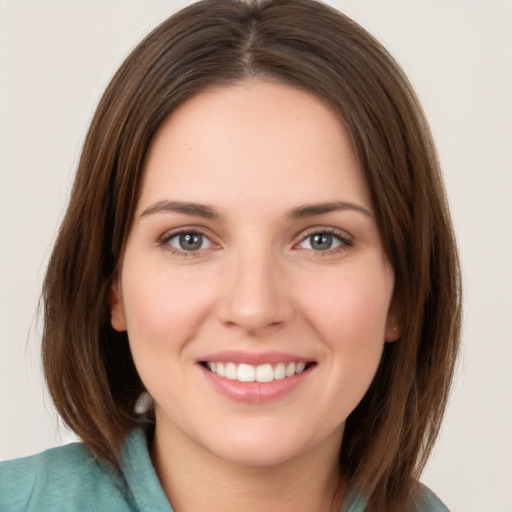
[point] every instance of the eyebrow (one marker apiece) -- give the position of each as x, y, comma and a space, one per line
311, 210
200, 210
208, 212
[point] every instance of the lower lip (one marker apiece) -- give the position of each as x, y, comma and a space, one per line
255, 392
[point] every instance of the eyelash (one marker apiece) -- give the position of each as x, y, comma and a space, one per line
344, 241
164, 241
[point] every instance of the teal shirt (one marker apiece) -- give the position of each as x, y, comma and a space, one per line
71, 479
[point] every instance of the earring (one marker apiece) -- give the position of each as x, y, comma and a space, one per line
144, 403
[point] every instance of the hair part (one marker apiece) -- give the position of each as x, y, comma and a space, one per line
88, 365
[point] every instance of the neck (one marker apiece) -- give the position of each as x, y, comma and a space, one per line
195, 480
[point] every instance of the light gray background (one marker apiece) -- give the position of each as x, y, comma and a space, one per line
57, 56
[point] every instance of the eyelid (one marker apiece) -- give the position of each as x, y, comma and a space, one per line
346, 239
343, 236
177, 237
164, 239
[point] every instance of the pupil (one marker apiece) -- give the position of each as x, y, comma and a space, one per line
191, 241
321, 241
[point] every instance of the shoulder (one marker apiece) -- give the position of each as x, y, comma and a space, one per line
65, 478
427, 501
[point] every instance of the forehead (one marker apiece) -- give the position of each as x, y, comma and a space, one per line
256, 140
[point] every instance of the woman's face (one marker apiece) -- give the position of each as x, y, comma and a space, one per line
254, 286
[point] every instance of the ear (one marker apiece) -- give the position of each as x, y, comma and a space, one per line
117, 316
394, 321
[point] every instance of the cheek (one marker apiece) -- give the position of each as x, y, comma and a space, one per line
349, 312
163, 311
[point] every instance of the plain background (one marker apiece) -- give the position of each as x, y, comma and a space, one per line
56, 57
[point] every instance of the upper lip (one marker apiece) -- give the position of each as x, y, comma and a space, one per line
254, 358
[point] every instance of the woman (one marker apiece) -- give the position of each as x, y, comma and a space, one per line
257, 239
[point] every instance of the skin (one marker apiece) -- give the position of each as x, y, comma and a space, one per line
253, 153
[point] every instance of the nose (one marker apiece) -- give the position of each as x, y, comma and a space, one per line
256, 296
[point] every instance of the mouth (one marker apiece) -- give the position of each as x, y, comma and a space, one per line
262, 373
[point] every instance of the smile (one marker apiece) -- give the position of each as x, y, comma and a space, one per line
255, 378
250, 373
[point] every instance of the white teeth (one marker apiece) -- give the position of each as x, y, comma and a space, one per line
246, 373
231, 372
290, 369
249, 373
280, 371
265, 373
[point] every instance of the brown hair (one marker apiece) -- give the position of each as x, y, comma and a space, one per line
88, 365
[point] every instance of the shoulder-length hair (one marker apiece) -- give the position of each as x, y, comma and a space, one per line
88, 366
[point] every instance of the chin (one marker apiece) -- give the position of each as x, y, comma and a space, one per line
256, 456
260, 447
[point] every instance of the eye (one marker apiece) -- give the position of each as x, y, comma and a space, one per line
189, 241
323, 241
